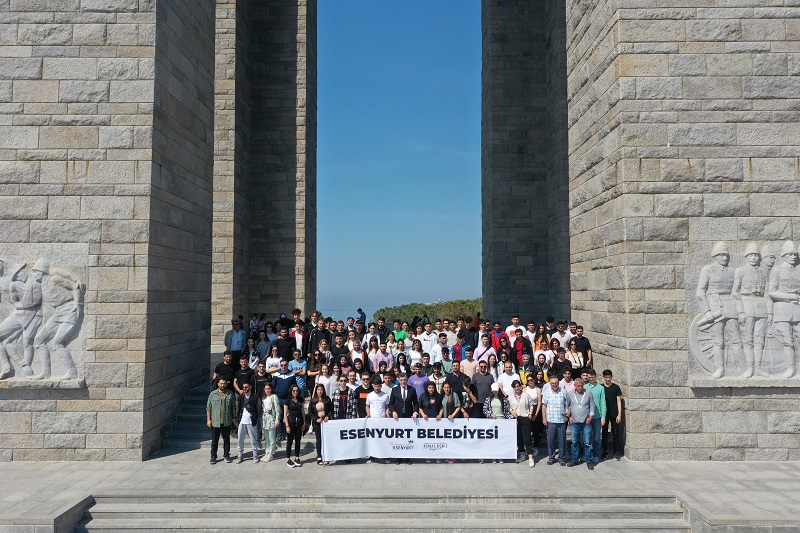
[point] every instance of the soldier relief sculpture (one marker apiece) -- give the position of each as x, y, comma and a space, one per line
43, 314
749, 320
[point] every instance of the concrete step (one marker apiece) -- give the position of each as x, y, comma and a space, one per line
196, 444
301, 524
137, 511
628, 500
197, 425
200, 392
196, 417
197, 433
492, 512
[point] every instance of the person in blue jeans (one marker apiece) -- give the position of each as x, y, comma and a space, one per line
299, 367
554, 416
580, 407
282, 382
599, 420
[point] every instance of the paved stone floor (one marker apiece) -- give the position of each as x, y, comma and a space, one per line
756, 490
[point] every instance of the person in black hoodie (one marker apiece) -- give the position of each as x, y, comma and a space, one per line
320, 409
249, 417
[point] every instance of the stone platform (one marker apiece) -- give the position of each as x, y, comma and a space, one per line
716, 497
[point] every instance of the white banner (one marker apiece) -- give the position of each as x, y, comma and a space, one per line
408, 438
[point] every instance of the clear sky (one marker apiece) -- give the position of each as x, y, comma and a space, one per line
398, 167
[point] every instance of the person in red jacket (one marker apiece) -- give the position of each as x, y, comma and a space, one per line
496, 334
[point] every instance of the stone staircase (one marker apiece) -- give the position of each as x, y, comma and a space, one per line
189, 431
317, 514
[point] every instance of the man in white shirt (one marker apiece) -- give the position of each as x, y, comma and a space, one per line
352, 383
513, 327
377, 405
248, 416
428, 339
377, 401
507, 378
439, 327
436, 351
562, 335
531, 331
451, 333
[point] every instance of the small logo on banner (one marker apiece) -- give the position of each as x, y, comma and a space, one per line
402, 446
433, 446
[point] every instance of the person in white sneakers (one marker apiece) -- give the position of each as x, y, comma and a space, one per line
522, 409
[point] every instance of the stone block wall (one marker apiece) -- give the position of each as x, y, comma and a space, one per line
681, 122
283, 188
232, 110
557, 164
104, 158
265, 160
181, 187
514, 181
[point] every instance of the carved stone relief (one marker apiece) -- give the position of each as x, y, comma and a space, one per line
42, 313
749, 320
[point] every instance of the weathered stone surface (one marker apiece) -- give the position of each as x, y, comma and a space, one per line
21, 68
106, 440
84, 91
15, 422
64, 441
118, 69
45, 34
670, 422
651, 277
725, 171
110, 6
67, 68
784, 423
131, 91
19, 137
64, 422
726, 205
106, 374
734, 421
130, 422
19, 172
678, 205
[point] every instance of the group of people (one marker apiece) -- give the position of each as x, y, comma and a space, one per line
276, 386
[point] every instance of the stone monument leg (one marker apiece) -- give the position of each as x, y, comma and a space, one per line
105, 163
524, 177
682, 134
265, 160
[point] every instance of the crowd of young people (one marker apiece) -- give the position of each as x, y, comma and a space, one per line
279, 380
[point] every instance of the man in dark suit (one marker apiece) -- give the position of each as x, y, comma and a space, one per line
403, 403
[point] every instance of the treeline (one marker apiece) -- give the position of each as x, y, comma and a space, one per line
451, 310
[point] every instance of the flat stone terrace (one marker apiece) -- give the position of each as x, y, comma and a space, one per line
37, 497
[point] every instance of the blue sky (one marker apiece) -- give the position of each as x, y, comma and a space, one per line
398, 153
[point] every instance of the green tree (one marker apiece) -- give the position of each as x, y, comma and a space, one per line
450, 309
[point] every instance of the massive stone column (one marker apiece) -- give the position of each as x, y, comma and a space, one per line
523, 128
265, 160
283, 189
105, 158
682, 133
232, 130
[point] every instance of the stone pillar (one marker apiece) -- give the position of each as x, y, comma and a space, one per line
513, 175
558, 249
681, 133
105, 151
265, 160
283, 188
232, 127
